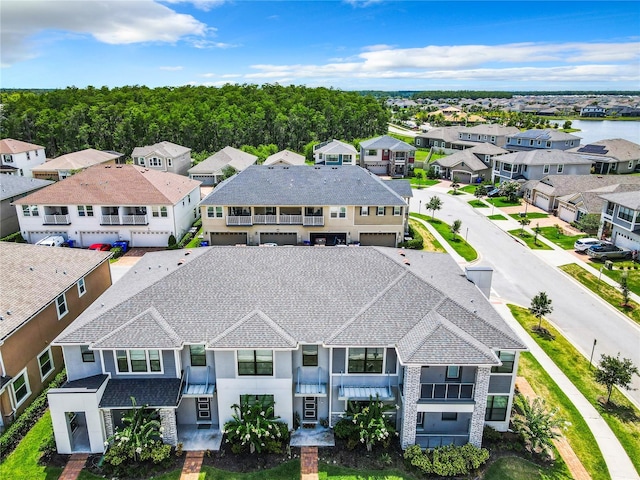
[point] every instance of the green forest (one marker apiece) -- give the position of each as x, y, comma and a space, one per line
204, 119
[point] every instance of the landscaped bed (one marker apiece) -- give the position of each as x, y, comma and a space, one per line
529, 239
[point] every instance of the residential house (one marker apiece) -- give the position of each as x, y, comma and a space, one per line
108, 203
163, 156
212, 170
593, 111
611, 156
18, 158
541, 140
284, 157
66, 165
621, 219
535, 164
13, 187
446, 138
43, 292
460, 138
470, 165
305, 205
335, 152
190, 333
386, 155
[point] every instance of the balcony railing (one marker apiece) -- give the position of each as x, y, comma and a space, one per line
446, 391
134, 220
235, 220
56, 220
434, 440
290, 219
265, 219
110, 220
313, 221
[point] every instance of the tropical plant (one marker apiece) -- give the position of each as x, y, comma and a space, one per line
480, 192
615, 372
366, 423
455, 228
434, 204
455, 184
624, 288
537, 425
540, 306
524, 221
589, 223
509, 190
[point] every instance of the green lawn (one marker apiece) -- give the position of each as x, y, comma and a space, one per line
516, 468
497, 217
633, 274
477, 204
334, 472
471, 189
423, 182
461, 247
559, 238
530, 215
605, 291
503, 202
528, 238
622, 416
421, 155
195, 241
430, 243
286, 471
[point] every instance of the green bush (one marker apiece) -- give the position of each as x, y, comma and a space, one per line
185, 239
416, 242
117, 252
368, 425
172, 241
447, 461
14, 237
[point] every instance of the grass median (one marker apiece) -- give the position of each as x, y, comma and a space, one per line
532, 242
458, 243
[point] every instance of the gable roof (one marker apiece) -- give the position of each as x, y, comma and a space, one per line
246, 298
561, 185
494, 129
164, 149
336, 146
543, 157
401, 186
545, 134
448, 134
114, 185
228, 156
285, 156
9, 145
77, 160
626, 199
467, 156
13, 185
617, 149
303, 185
387, 142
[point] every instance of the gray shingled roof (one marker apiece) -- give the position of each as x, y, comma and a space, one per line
228, 156
616, 149
388, 143
165, 149
545, 134
233, 297
400, 186
626, 199
13, 185
303, 185
154, 392
467, 156
88, 384
543, 157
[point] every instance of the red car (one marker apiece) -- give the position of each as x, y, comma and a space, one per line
102, 247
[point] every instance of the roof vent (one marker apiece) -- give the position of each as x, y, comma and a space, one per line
406, 262
8, 312
1, 318
181, 261
31, 268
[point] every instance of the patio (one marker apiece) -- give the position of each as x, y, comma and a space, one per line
312, 437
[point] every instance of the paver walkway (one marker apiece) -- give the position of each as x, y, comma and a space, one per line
192, 465
74, 466
578, 472
309, 463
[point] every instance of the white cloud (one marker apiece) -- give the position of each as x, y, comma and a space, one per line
204, 5
109, 21
172, 69
202, 43
362, 3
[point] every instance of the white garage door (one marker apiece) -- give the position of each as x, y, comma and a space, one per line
378, 170
542, 201
89, 238
150, 239
624, 241
566, 214
378, 239
34, 237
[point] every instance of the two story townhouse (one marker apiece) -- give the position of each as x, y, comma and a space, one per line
66, 165
334, 153
535, 164
163, 156
108, 203
12, 188
461, 138
299, 205
43, 291
541, 140
212, 170
469, 165
615, 155
190, 333
284, 157
621, 218
386, 155
18, 158
593, 111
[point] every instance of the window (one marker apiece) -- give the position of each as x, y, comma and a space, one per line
7, 158
138, 361
82, 287
625, 213
364, 211
87, 355
397, 211
338, 212
251, 400
614, 166
496, 408
21, 390
545, 169
347, 158
493, 139
309, 355
28, 155
560, 168
380, 211
159, 211
30, 211
365, 360
61, 306
141, 161
454, 372
198, 355
214, 212
419, 419
255, 362
519, 142
548, 144
449, 416
169, 162
531, 143
331, 157
371, 153
507, 359
45, 363
85, 210
539, 142
155, 162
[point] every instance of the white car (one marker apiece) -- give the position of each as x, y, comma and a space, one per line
52, 241
584, 244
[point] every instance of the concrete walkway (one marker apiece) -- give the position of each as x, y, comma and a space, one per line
74, 466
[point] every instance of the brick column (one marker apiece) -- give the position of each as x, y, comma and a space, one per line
169, 426
309, 463
480, 397
107, 418
410, 407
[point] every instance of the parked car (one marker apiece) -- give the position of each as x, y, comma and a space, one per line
494, 192
583, 244
608, 252
101, 247
52, 241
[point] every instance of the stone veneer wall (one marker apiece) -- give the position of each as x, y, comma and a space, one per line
107, 418
169, 425
410, 410
477, 418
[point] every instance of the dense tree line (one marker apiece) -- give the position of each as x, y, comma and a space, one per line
205, 119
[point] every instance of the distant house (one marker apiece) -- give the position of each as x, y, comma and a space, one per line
65, 165
284, 157
535, 139
43, 292
593, 111
387, 155
460, 138
611, 156
535, 164
335, 152
469, 165
211, 170
18, 158
13, 187
621, 218
163, 156
108, 203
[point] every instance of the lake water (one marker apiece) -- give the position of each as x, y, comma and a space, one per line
594, 130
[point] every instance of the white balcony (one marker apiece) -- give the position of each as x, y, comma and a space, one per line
237, 220
56, 220
313, 221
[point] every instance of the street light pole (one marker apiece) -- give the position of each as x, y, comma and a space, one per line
419, 206
592, 350
466, 235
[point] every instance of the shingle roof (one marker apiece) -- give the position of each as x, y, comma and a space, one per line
233, 297
626, 199
546, 134
466, 156
154, 392
33, 276
336, 146
77, 160
489, 129
401, 186
114, 185
388, 143
448, 134
228, 156
285, 156
303, 185
561, 185
164, 149
9, 145
543, 157
618, 149
146, 330
12, 185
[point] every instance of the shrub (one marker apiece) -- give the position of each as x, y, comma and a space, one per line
447, 461
368, 424
172, 241
117, 252
14, 237
185, 239
416, 242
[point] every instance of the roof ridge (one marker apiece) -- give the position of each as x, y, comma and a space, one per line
277, 328
113, 332
437, 321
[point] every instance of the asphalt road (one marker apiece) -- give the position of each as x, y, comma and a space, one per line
520, 273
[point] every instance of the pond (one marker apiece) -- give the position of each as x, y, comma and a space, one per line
595, 130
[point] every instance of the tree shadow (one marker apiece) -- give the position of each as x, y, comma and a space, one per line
623, 413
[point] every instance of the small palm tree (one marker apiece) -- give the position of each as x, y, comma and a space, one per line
524, 221
455, 227
540, 306
455, 184
535, 423
434, 204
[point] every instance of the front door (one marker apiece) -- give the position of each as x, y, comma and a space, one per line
203, 410
310, 409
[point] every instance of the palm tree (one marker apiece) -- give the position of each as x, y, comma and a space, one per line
455, 227
455, 184
535, 423
540, 306
434, 204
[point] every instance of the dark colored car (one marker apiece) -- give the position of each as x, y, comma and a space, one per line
493, 192
102, 247
607, 251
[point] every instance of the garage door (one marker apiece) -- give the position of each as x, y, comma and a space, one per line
463, 177
150, 239
623, 240
89, 238
207, 180
378, 170
279, 238
542, 201
34, 237
566, 214
328, 239
226, 238
378, 239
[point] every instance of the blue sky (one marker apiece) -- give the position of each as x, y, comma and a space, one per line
351, 45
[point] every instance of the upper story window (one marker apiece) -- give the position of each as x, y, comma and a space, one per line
507, 359
155, 162
364, 211
87, 355
309, 355
85, 210
519, 141
545, 169
625, 213
61, 306
30, 211
159, 211
560, 168
496, 408
338, 212
493, 139
454, 372
460, 136
7, 158
45, 363
214, 212
365, 360
347, 158
255, 362
380, 211
531, 143
141, 161
371, 153
28, 155
82, 287
397, 211
198, 355
20, 387
169, 162
139, 361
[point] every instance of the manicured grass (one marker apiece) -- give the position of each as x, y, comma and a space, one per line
421, 155
577, 431
461, 247
503, 202
527, 238
23, 461
621, 415
334, 472
608, 293
430, 243
497, 217
422, 183
633, 274
530, 215
477, 204
559, 238
516, 468
195, 241
455, 192
286, 471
